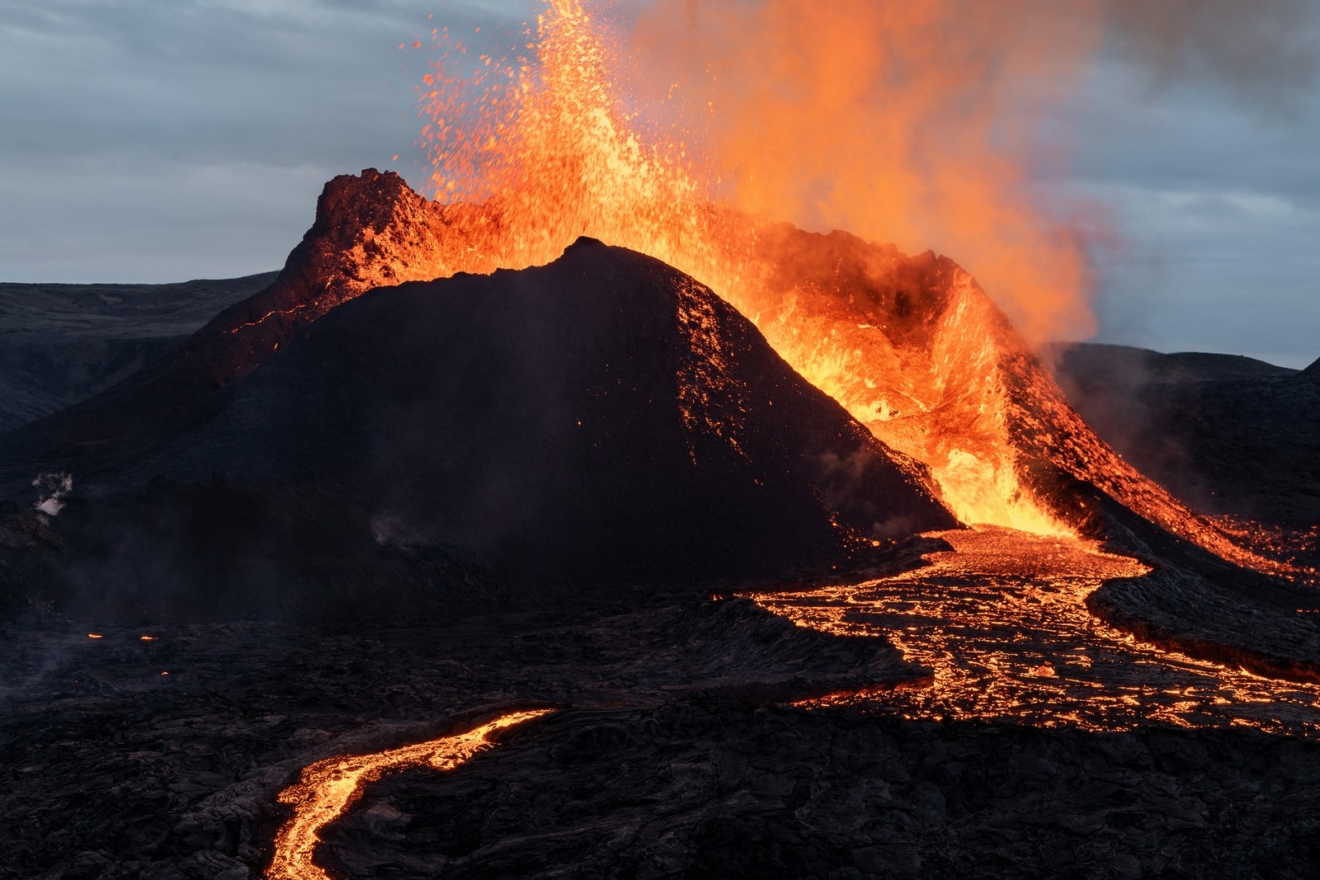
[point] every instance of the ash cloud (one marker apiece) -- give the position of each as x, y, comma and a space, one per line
150, 142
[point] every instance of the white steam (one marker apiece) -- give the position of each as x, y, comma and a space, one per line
52, 489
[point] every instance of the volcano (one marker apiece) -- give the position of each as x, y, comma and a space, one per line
911, 346
602, 420
510, 490
689, 461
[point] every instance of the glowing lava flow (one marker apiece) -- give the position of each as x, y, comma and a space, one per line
1003, 624
327, 788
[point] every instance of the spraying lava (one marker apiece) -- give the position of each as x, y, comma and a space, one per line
532, 155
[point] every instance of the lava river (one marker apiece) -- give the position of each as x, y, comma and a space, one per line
1003, 624
327, 788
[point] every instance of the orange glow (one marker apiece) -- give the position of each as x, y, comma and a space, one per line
546, 153
93, 635
327, 788
865, 114
1003, 624
907, 122
1282, 551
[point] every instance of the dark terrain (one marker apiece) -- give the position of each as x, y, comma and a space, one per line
663, 760
596, 423
63, 343
1226, 434
350, 515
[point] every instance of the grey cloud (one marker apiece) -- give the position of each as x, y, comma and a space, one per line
1264, 51
155, 141
1216, 206
159, 140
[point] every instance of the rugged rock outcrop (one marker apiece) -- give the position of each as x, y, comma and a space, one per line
370, 230
601, 419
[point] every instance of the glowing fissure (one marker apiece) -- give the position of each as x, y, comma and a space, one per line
1003, 624
328, 788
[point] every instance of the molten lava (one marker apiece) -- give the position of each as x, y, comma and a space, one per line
549, 157
329, 787
1003, 623
534, 154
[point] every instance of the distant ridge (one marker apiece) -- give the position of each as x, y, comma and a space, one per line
1226, 434
63, 343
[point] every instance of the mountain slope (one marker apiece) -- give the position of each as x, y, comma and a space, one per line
599, 422
1227, 435
602, 418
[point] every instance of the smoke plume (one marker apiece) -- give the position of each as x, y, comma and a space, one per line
915, 122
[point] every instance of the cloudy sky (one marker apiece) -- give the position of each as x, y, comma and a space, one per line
162, 140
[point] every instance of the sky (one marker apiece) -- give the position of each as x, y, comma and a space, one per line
164, 140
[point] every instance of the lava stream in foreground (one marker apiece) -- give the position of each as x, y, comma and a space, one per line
1003, 623
329, 787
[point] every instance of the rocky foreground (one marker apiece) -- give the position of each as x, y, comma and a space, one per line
673, 752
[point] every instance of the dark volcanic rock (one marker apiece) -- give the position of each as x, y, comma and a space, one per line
604, 420
1093, 366
228, 551
1217, 619
695, 789
63, 343
369, 231
1196, 602
1226, 434
601, 419
113, 770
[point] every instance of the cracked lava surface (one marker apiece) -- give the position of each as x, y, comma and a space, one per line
1003, 625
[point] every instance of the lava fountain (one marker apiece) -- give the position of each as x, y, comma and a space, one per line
530, 153
546, 151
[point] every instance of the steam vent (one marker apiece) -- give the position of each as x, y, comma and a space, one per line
764, 553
